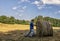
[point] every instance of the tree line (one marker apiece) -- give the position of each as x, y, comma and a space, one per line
11, 20
55, 22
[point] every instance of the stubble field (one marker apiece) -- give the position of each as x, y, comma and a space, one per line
15, 32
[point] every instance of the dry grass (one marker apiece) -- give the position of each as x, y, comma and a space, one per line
11, 27
15, 32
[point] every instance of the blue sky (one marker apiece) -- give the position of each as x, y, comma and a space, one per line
28, 9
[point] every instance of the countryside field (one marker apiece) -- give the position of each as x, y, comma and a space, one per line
15, 32
11, 27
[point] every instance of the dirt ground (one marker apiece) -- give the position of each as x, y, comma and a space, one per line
18, 35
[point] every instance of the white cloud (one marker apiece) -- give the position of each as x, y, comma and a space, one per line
20, 11
24, 7
21, 1
51, 1
57, 12
40, 4
41, 7
20, 14
25, 1
42, 1
19, 8
36, 3
14, 8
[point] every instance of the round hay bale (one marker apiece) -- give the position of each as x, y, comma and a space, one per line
47, 29
43, 28
38, 28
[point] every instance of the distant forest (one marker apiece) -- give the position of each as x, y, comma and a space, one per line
55, 22
11, 20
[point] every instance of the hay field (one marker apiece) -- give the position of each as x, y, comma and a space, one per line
9, 32
11, 27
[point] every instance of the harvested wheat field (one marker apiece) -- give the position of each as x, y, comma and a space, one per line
15, 32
